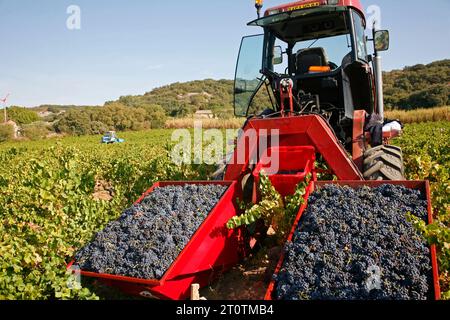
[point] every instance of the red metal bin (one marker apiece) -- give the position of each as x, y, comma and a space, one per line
423, 186
213, 248
292, 167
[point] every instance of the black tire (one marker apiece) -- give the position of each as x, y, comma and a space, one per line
248, 184
221, 168
384, 163
219, 174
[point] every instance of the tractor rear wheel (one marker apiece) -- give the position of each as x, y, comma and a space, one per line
384, 163
219, 174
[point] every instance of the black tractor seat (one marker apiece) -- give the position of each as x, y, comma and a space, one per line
311, 57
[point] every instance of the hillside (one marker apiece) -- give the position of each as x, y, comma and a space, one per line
419, 86
183, 99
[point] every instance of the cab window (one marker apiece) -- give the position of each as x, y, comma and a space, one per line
360, 36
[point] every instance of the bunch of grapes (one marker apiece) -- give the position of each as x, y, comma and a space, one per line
358, 245
148, 237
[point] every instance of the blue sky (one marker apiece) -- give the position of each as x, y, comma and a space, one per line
131, 46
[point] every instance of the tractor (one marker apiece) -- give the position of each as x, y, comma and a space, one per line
111, 138
309, 81
310, 75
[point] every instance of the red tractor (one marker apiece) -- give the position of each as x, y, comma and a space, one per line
310, 76
322, 97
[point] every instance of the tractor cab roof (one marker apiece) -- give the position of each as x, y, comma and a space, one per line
306, 20
309, 4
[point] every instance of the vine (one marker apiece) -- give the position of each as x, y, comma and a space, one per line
277, 213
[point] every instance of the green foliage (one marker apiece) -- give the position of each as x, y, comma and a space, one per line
271, 205
53, 109
155, 116
426, 149
275, 211
35, 131
6, 132
184, 99
48, 207
294, 202
419, 86
411, 88
22, 115
60, 108
74, 122
438, 234
433, 96
114, 116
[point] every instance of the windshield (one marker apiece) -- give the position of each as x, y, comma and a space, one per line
314, 44
335, 49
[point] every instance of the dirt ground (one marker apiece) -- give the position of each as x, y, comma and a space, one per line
247, 281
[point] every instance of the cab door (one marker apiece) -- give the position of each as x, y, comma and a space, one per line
248, 77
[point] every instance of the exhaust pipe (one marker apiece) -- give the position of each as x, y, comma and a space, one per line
379, 84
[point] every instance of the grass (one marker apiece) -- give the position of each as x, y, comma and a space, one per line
151, 138
420, 115
406, 117
186, 123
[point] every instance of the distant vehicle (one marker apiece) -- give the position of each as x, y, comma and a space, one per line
111, 137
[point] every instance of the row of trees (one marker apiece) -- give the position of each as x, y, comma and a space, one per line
114, 116
184, 99
29, 124
22, 116
419, 86
83, 120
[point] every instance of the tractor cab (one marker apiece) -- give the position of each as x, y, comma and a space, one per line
311, 59
310, 75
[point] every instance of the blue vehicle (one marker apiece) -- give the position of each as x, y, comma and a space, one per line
111, 137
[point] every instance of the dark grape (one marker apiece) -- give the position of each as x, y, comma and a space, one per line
148, 237
358, 245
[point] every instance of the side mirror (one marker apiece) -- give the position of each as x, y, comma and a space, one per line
277, 55
381, 40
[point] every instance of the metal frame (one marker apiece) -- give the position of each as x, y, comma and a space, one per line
423, 186
213, 249
305, 130
356, 4
359, 143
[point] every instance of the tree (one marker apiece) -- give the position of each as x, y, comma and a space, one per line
419, 86
434, 96
35, 131
156, 116
183, 111
22, 115
6, 132
74, 122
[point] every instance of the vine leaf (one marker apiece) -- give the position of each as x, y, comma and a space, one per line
277, 213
